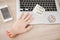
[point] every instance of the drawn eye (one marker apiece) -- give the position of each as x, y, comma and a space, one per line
51, 18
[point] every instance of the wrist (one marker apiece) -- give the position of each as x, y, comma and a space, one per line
11, 32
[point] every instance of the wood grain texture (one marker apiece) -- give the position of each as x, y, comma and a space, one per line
38, 32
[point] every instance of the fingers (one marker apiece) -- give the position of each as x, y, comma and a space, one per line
25, 15
28, 21
28, 17
21, 16
28, 28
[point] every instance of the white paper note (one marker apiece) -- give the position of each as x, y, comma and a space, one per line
38, 10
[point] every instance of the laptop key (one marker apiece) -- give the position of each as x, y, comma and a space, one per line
49, 5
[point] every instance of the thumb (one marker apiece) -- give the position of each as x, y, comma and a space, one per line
28, 28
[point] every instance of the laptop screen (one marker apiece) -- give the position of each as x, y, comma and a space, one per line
28, 5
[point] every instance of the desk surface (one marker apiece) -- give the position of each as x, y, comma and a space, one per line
38, 32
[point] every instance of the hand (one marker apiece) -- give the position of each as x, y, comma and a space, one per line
21, 25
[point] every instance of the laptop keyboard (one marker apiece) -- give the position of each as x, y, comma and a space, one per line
28, 5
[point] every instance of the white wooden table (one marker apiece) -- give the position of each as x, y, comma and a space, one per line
38, 32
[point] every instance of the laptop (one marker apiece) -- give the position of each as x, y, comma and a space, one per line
50, 16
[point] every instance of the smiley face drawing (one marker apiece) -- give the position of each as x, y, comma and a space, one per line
51, 18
